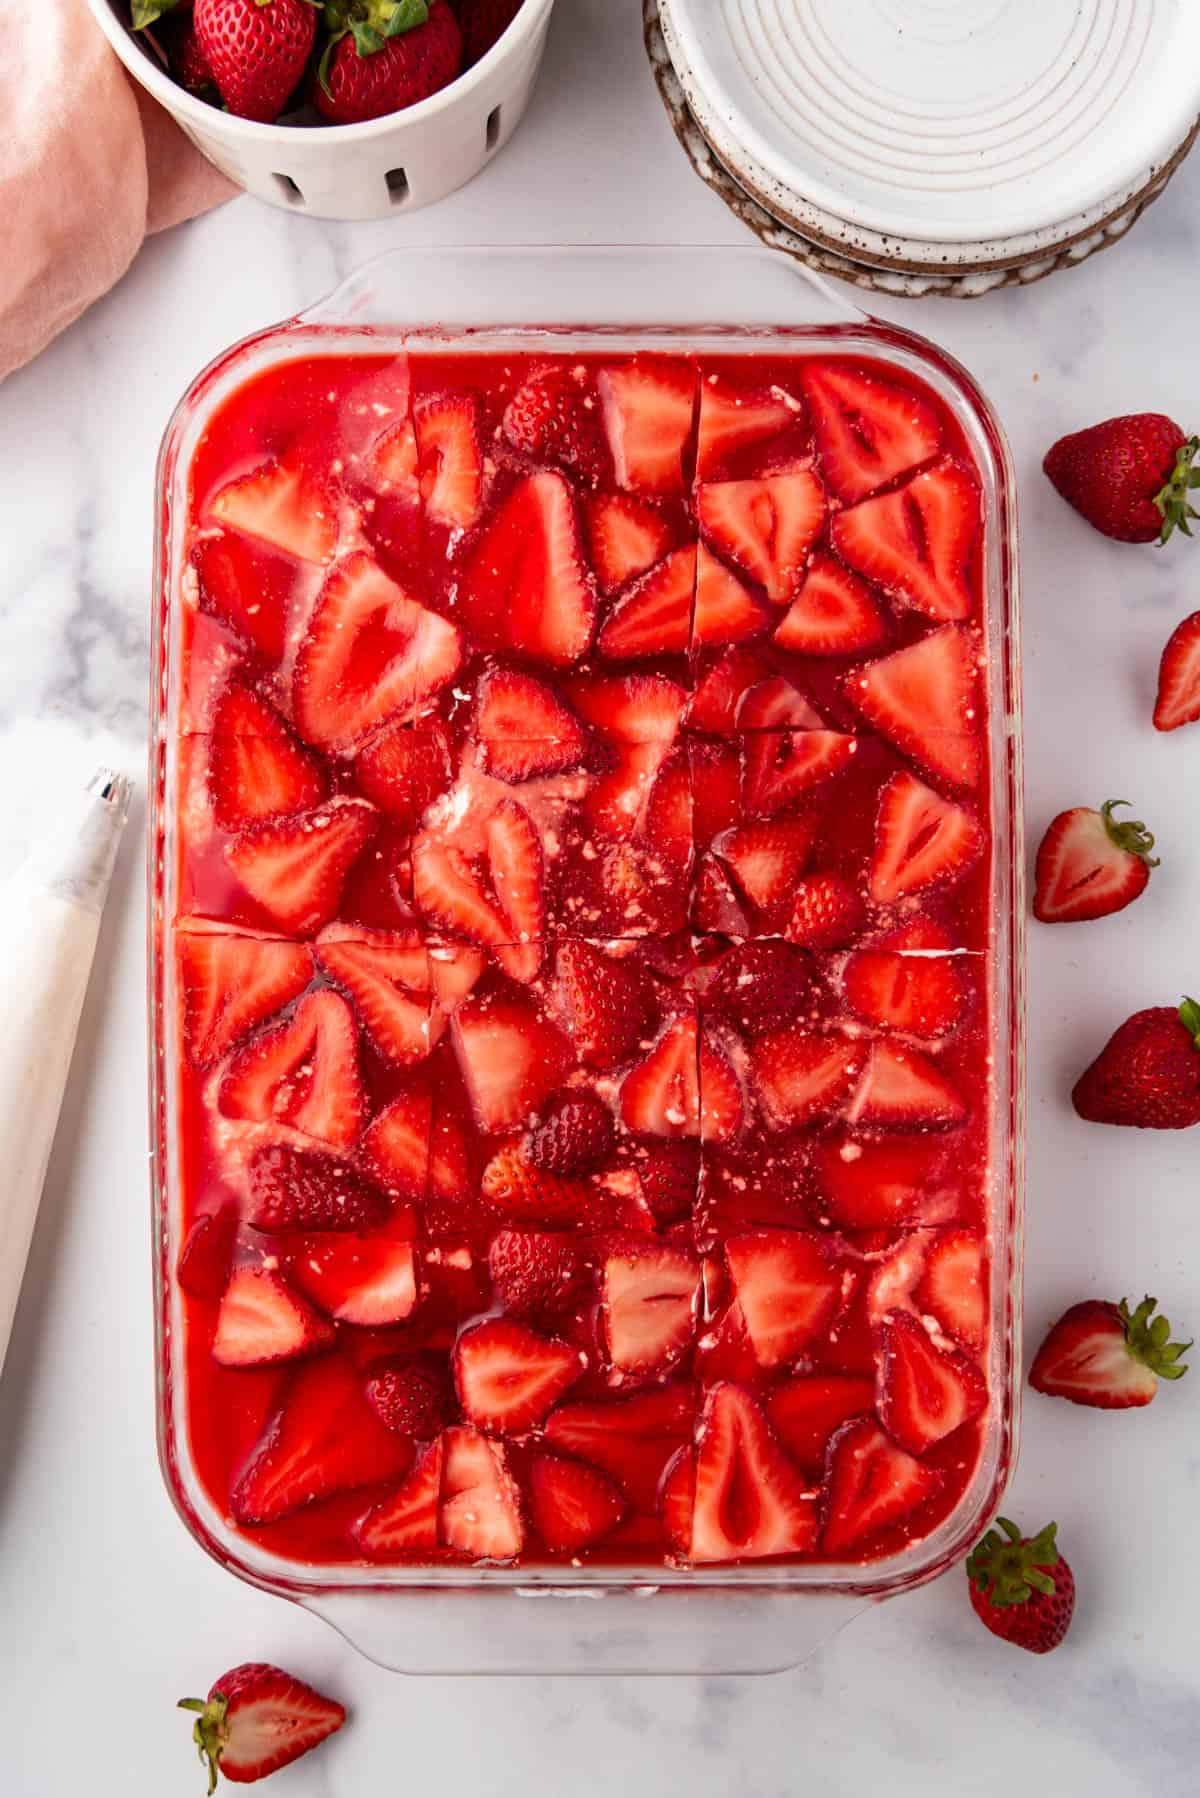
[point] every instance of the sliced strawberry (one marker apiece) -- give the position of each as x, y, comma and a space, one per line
765, 527
834, 613
553, 418
514, 853
522, 1192
714, 703
393, 461
649, 1300
263, 1320
921, 995
627, 537
787, 1288
902, 1090
632, 1439
525, 729
449, 892
454, 971
722, 1108
283, 505
1178, 698
572, 1506
1107, 1356
870, 1483
750, 1500
365, 1280
760, 986
776, 705
923, 698
231, 983
247, 588
508, 1377
669, 1176
677, 1502
256, 768
954, 1286
449, 458
1090, 864
303, 1189
715, 906
303, 1073
724, 611
534, 1271
295, 868
921, 840
523, 587
767, 859
827, 913
606, 1007
724, 1352
716, 780
512, 1057
805, 1078
648, 406
396, 1147
404, 770
202, 1269
323, 1438
632, 708
780, 767
384, 976
257, 1719
868, 431
879, 1185
733, 417
654, 616
924, 1392
371, 654
805, 1412
480, 1511
660, 1096
406, 1523
916, 543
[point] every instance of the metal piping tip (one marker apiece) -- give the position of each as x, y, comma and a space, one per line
116, 789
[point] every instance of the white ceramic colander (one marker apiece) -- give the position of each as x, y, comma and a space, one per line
407, 159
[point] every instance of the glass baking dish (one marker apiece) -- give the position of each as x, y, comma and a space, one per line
599, 1618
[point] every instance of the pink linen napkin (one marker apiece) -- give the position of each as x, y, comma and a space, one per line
89, 163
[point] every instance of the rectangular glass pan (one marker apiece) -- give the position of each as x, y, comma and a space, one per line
616, 301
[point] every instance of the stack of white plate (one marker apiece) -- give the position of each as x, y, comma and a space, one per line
951, 144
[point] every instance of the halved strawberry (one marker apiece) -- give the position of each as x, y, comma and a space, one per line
396, 1146
902, 1090
866, 1185
805, 1411
654, 616
627, 536
1107, 1356
606, 1007
760, 986
525, 729
921, 840
648, 406
677, 1501
780, 766
734, 417
366, 1280
522, 1192
282, 504
256, 1719
387, 976
923, 698
256, 768
404, 770
954, 1286
263, 1320
921, 995
406, 1522
512, 1057
916, 543
767, 859
231, 983
371, 654
309, 1189
1090, 863
722, 1108
553, 417
449, 892
724, 611
572, 1505
660, 1096
870, 1483
294, 868
715, 906
202, 1269
632, 708
925, 1393
247, 588
868, 431
765, 527
303, 1073
632, 1439
480, 1511
649, 1296
834, 613
717, 696
787, 1287
1178, 698
827, 913
750, 1500
393, 461
508, 1377
449, 458
524, 588
515, 863
804, 1078
323, 1438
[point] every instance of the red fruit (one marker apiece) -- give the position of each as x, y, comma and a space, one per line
715, 702
649, 1304
902, 1090
189, 64
722, 1109
263, 1320
750, 1500
483, 22
231, 983
632, 1439
366, 1280
715, 906
387, 977
787, 1288
302, 1189
1021, 1587
1090, 864
449, 892
724, 610
1148, 1073
303, 1073
627, 537
577, 1136
406, 1523
648, 406
203, 1265
868, 431
280, 503
805, 1412
294, 868
923, 699
245, 588
760, 986
508, 1377
780, 766
1178, 700
396, 1148
606, 1007
413, 1398
916, 542
677, 1501
515, 863
523, 1193
834, 613
1105, 1355
256, 51
449, 456
766, 859
660, 1096
480, 1511
572, 1506
553, 418
925, 1393
323, 1438
921, 840
734, 418
524, 729
256, 768
534, 1271
371, 654
403, 771
654, 616
1128, 476
365, 74
920, 995
870, 1483
524, 588
880, 1185
393, 461
669, 1174
804, 1078
827, 913
954, 1286
257, 1719
512, 1057
638, 709
765, 527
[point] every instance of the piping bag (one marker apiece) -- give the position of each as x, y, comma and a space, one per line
49, 921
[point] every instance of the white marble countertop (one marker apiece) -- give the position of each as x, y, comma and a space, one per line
110, 1611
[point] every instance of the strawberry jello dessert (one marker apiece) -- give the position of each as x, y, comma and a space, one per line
579, 1009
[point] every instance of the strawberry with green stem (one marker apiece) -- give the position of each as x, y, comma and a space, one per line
1091, 863
1148, 1073
1021, 1587
257, 51
384, 55
1130, 477
1107, 1356
256, 1719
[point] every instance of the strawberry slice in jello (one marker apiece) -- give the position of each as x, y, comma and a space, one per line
281, 504
869, 431
916, 543
247, 587
229, 984
303, 1072
525, 588
764, 528
924, 699
649, 407
751, 1502
744, 426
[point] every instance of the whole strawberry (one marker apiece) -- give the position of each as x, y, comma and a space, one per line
256, 51
1148, 1073
1129, 476
384, 55
1091, 864
1021, 1587
256, 1719
482, 22
1107, 1356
